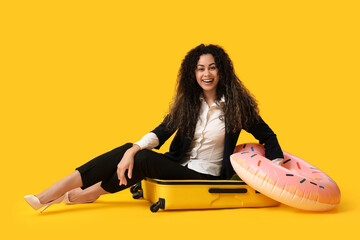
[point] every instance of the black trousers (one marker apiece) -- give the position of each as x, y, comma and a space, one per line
147, 163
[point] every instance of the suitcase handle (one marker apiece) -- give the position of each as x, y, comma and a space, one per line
227, 190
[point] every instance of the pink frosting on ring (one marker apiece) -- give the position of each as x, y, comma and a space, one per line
296, 182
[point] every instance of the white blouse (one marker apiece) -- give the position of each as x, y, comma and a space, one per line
207, 147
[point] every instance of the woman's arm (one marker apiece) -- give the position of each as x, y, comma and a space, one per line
262, 132
155, 138
162, 132
127, 163
149, 141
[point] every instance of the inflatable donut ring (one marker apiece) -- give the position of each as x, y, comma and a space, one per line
295, 183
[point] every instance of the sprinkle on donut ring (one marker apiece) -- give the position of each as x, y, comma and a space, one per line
295, 183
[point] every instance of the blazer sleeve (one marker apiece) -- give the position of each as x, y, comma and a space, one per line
262, 132
163, 132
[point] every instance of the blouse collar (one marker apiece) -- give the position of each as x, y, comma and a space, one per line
222, 99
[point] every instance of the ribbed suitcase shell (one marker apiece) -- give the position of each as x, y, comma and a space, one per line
201, 194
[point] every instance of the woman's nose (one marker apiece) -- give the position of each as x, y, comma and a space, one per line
206, 72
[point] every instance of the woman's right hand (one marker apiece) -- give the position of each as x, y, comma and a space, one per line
127, 163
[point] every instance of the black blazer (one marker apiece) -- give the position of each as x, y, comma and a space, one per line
180, 145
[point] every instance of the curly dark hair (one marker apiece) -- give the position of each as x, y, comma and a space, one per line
240, 107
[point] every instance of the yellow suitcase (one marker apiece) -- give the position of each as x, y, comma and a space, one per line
199, 194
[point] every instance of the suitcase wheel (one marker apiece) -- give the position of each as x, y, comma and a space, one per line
156, 206
136, 188
138, 195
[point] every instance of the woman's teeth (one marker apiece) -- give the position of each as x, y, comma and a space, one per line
207, 81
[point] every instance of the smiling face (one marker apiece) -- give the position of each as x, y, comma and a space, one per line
207, 74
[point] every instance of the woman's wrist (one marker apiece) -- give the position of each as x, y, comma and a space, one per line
134, 149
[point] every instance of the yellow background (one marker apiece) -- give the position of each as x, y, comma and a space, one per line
79, 78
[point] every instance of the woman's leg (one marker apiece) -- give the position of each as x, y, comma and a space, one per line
94, 171
90, 194
60, 187
153, 165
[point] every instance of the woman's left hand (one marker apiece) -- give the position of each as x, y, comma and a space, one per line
278, 161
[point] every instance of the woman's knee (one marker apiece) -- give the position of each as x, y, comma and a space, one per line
123, 148
120, 151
